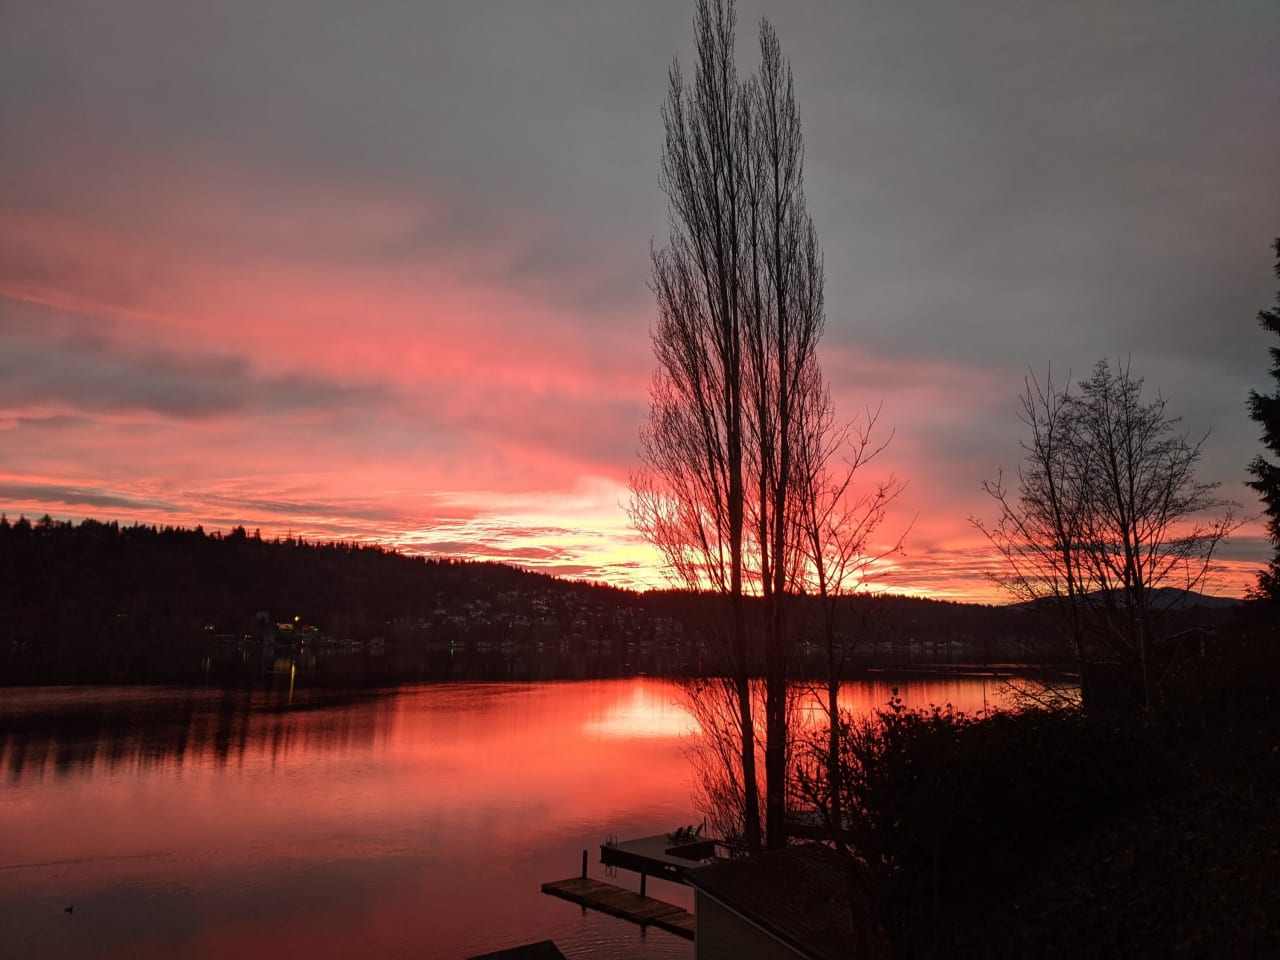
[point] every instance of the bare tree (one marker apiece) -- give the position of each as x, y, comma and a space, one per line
1039, 533
837, 518
716, 755
1107, 515
688, 495
787, 278
740, 311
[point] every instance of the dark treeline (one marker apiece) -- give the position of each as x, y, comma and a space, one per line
90, 572
101, 602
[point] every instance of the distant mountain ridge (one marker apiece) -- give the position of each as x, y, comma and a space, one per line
1162, 598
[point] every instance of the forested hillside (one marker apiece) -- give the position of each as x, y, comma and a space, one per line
95, 601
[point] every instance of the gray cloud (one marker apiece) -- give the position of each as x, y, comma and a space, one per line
978, 167
1248, 549
995, 181
87, 368
55, 494
336, 514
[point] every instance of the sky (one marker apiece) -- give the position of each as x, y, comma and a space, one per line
378, 271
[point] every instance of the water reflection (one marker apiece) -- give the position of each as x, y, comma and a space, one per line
66, 731
419, 822
644, 715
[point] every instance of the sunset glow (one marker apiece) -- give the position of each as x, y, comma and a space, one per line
373, 276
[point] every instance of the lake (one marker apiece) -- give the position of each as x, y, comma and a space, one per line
419, 822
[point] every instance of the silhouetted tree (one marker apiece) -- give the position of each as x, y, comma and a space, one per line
1107, 513
739, 287
837, 518
1039, 533
688, 496
1265, 410
783, 377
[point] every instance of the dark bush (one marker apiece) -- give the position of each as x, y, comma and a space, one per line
950, 812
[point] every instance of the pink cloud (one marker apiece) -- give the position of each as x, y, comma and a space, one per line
214, 344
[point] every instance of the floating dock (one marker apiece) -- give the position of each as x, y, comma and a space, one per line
626, 904
659, 856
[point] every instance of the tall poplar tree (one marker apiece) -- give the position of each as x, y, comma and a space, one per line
688, 497
739, 288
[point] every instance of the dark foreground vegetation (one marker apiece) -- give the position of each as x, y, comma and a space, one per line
1111, 832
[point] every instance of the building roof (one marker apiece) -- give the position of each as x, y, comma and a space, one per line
797, 895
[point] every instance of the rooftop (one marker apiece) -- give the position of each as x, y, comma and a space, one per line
798, 895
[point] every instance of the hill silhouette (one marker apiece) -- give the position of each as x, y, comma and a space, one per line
98, 602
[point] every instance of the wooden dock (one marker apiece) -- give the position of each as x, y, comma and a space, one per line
626, 904
659, 856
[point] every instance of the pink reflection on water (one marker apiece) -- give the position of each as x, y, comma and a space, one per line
419, 824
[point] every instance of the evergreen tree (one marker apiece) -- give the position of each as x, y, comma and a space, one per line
1265, 409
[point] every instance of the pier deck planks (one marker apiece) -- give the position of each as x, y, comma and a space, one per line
623, 903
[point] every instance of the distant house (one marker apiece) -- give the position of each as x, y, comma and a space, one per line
780, 905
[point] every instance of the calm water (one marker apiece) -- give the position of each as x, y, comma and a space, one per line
416, 824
